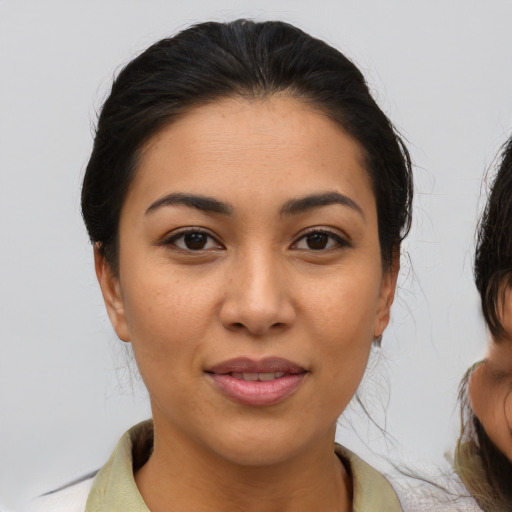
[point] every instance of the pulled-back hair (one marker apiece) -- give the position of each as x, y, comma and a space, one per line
493, 258
212, 61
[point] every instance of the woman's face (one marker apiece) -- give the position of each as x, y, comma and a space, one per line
250, 279
490, 386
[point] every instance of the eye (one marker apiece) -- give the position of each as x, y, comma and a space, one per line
320, 241
193, 240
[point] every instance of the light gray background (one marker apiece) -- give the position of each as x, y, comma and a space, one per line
443, 73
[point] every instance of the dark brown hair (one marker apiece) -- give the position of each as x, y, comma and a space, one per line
493, 258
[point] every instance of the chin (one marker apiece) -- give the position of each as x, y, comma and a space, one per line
268, 444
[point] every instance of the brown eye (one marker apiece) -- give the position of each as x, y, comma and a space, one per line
320, 241
193, 240
317, 241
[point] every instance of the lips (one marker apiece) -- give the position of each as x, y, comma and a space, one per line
257, 383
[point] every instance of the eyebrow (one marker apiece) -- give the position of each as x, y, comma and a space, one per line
203, 203
303, 204
291, 207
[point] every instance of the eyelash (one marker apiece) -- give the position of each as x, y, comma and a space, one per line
172, 240
339, 242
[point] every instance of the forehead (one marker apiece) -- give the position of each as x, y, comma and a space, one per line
242, 146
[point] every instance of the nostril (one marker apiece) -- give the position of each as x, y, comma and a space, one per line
241, 325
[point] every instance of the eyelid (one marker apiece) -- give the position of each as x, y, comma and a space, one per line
170, 238
342, 241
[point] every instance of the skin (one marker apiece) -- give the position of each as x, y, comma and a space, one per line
490, 386
256, 289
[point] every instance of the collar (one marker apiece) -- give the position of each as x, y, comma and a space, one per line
114, 488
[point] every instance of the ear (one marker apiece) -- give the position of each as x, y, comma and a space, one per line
387, 294
111, 290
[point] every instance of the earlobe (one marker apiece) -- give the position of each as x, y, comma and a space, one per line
387, 295
111, 290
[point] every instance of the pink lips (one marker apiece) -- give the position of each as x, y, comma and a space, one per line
257, 383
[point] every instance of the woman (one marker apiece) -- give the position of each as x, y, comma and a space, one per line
483, 457
246, 199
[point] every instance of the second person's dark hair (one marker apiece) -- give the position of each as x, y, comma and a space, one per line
242, 58
493, 258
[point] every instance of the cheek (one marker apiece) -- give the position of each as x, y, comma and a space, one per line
167, 316
508, 410
342, 316
487, 401
345, 305
506, 313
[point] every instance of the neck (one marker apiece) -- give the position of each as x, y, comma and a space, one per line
190, 477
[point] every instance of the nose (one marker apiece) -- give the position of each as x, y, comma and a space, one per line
257, 299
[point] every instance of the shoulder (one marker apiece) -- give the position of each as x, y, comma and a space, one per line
432, 490
427, 498
371, 489
428, 489
71, 498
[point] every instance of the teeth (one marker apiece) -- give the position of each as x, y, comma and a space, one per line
270, 376
258, 376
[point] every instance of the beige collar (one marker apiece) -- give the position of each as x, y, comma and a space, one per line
114, 488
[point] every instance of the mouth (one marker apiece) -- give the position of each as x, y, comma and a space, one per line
257, 383
262, 377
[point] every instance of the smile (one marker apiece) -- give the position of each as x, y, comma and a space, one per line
257, 383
